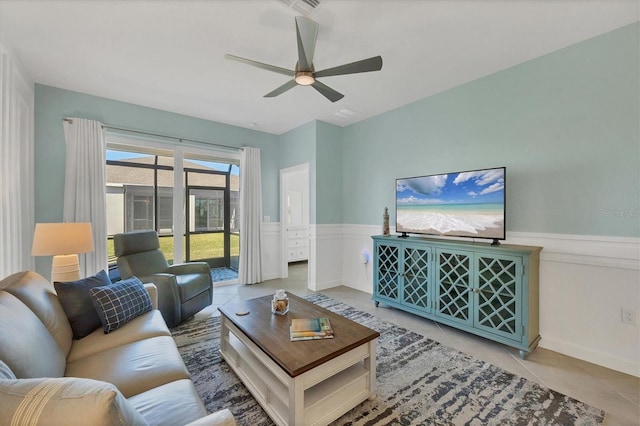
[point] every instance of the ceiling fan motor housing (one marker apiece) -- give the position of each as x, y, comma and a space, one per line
305, 75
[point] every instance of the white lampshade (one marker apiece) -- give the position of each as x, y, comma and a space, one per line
63, 241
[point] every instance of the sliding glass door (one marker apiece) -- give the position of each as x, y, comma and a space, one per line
211, 233
141, 194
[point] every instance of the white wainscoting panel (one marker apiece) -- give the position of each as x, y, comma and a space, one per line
325, 257
585, 282
271, 250
356, 239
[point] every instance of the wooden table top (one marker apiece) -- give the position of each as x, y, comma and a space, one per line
270, 332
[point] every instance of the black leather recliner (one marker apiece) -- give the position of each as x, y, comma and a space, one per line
183, 289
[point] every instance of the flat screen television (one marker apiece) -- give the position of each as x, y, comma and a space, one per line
460, 204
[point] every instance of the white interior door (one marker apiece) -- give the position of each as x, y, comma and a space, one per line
294, 215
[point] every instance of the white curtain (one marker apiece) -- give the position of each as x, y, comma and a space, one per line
250, 263
84, 187
16, 167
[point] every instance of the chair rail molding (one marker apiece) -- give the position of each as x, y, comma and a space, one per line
611, 252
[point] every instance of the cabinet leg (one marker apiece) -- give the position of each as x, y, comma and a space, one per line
523, 354
376, 303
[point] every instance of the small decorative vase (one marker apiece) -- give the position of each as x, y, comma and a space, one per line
385, 222
280, 303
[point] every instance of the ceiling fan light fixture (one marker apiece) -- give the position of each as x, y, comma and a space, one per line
305, 78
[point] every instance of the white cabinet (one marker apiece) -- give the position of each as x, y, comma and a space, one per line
297, 243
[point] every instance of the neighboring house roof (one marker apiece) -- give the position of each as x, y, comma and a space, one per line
123, 175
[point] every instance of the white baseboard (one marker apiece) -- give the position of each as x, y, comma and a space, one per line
608, 360
358, 286
270, 276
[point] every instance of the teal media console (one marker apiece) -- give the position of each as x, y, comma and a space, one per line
491, 291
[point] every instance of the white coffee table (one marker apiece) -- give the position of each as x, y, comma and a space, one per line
298, 383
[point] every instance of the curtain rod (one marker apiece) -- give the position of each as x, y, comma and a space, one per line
105, 126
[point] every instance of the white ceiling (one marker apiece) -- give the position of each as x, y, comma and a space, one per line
170, 54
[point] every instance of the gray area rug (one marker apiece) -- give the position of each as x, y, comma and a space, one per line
420, 382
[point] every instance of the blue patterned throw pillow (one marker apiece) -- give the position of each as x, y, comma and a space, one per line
120, 302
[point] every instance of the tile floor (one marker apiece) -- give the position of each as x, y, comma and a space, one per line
616, 393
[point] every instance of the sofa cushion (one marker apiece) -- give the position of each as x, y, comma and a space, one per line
174, 403
26, 345
68, 401
149, 324
219, 418
135, 367
39, 295
76, 301
120, 302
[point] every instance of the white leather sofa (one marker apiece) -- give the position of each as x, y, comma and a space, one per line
133, 375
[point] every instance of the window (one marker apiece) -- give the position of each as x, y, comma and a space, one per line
135, 181
140, 196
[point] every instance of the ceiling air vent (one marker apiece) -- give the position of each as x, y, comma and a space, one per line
302, 6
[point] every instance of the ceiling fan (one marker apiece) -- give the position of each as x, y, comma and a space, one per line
305, 73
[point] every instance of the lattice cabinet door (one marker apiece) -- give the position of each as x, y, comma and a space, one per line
387, 271
416, 274
453, 285
498, 295
491, 291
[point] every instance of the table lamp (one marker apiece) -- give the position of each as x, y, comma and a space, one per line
63, 241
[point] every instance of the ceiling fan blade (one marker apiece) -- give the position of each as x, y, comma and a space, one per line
327, 91
267, 67
288, 85
306, 34
365, 65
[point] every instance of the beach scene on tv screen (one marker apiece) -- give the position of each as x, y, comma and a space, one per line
468, 204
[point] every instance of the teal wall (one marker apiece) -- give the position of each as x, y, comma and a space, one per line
565, 125
329, 171
320, 145
296, 147
52, 104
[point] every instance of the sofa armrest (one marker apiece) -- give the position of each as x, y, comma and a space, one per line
219, 418
153, 294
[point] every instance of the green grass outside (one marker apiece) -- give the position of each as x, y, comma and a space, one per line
203, 246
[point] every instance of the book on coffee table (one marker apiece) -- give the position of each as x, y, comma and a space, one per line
310, 329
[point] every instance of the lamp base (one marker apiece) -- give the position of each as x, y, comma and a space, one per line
65, 268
